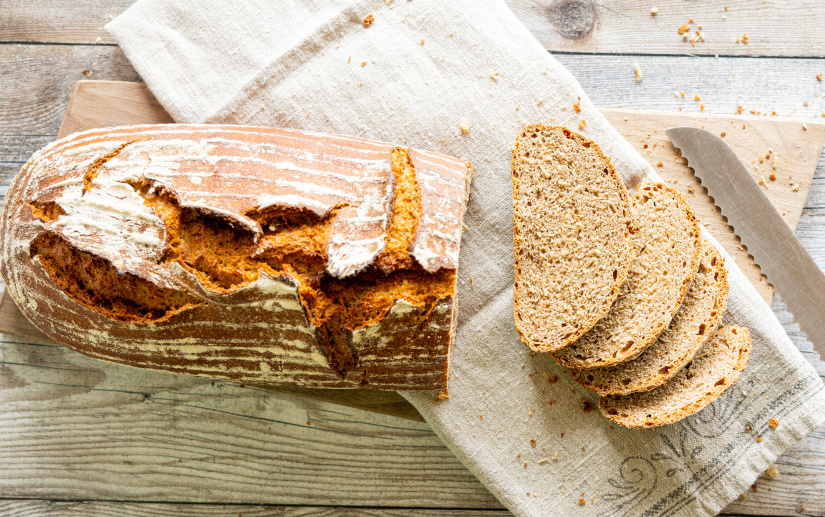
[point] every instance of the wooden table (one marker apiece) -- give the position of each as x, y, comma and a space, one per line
193, 447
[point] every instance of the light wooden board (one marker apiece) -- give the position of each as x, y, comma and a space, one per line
774, 28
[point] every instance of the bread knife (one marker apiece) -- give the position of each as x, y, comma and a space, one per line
765, 235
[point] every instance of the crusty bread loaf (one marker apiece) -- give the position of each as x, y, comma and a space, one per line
253, 254
712, 371
571, 229
700, 314
667, 245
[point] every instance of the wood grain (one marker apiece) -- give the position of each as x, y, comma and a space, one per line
118, 509
621, 26
608, 26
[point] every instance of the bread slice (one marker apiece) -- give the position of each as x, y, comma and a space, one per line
700, 314
571, 229
667, 244
714, 369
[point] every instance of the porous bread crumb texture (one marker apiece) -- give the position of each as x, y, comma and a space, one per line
700, 314
667, 244
715, 368
226, 257
571, 229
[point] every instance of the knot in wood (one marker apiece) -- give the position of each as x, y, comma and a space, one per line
573, 19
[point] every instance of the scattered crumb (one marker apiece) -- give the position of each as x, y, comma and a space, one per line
804, 126
638, 72
691, 190
697, 98
368, 20
772, 177
762, 181
582, 124
98, 40
759, 440
442, 395
795, 188
422, 41
683, 29
363, 63
753, 487
554, 379
582, 502
494, 76
690, 20
702, 107
577, 106
587, 406
654, 11
818, 77
773, 423
744, 38
772, 472
542, 461
723, 134
349, 59
533, 443
465, 126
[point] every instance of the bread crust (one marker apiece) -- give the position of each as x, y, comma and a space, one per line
639, 410
602, 306
259, 331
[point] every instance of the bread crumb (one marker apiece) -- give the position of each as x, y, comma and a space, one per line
363, 63
723, 134
795, 188
494, 76
533, 443
690, 20
772, 472
818, 77
582, 502
804, 126
368, 20
744, 38
773, 423
753, 487
638, 72
697, 98
772, 177
577, 106
465, 126
654, 11
349, 59
691, 190
683, 29
442, 395
542, 461
582, 124
422, 41
702, 107
660, 164
759, 440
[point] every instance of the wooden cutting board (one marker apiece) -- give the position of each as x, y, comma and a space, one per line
788, 149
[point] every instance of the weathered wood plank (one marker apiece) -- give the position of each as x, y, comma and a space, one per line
59, 21
117, 509
608, 26
36, 82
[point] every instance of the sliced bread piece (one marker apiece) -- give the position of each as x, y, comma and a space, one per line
714, 369
571, 235
667, 244
700, 314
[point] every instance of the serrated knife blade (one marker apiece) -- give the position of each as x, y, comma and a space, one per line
767, 237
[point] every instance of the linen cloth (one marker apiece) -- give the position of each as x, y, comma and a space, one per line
414, 76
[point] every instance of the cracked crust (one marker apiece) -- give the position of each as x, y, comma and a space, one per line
253, 254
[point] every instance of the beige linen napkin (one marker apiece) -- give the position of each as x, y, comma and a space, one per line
418, 73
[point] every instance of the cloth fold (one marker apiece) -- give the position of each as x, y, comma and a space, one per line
417, 74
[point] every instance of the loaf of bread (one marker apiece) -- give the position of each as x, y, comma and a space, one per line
700, 314
667, 245
571, 229
259, 255
713, 370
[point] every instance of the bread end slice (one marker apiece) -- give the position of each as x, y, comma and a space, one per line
712, 371
571, 235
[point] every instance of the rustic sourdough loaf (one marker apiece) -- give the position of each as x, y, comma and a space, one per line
571, 229
700, 314
253, 254
667, 245
712, 371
